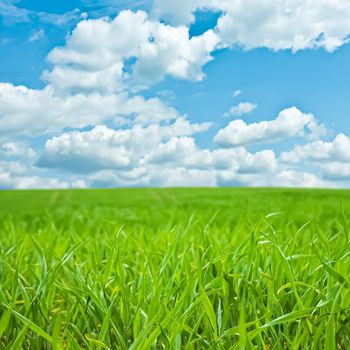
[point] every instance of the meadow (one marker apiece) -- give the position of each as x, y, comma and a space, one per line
175, 269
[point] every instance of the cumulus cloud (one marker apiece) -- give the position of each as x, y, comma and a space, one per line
277, 25
161, 177
292, 178
336, 150
180, 12
157, 49
280, 178
185, 153
331, 158
290, 122
94, 76
85, 152
27, 111
137, 177
8, 181
16, 149
106, 148
336, 171
294, 25
177, 150
75, 80
150, 156
121, 138
21, 174
261, 162
241, 109
182, 177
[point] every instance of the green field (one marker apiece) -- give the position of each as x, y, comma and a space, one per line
175, 269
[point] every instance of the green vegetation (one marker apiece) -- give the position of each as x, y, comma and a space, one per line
175, 269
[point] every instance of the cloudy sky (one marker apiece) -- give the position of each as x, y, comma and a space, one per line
174, 93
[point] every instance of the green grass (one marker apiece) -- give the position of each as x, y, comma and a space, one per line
175, 269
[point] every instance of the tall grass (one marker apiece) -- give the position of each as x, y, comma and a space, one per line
175, 269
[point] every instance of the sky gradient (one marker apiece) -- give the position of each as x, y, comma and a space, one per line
146, 93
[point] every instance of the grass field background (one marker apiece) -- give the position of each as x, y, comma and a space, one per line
175, 269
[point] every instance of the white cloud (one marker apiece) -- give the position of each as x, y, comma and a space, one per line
336, 150
74, 80
172, 52
275, 24
26, 111
280, 178
151, 156
241, 109
16, 149
156, 177
177, 150
182, 177
8, 181
236, 93
106, 148
291, 24
261, 162
12, 14
20, 174
137, 177
158, 49
59, 20
91, 81
183, 152
148, 111
14, 167
291, 178
159, 177
167, 94
331, 158
36, 182
37, 35
178, 12
85, 151
101, 43
290, 122
96, 76
336, 171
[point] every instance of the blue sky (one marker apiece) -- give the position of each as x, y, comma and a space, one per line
205, 93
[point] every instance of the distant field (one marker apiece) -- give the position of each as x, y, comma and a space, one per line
175, 269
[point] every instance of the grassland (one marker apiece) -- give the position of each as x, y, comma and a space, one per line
175, 269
